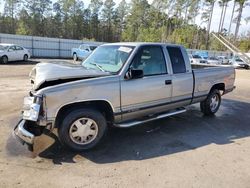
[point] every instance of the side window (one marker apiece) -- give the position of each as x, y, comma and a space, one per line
151, 60
177, 60
12, 48
86, 48
19, 48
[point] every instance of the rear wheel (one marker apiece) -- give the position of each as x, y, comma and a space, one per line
82, 129
25, 57
212, 103
4, 59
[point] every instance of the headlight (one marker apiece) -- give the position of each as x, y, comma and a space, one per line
31, 108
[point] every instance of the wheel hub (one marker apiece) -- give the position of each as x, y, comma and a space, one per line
83, 131
214, 102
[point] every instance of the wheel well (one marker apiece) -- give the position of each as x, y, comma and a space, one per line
102, 106
219, 86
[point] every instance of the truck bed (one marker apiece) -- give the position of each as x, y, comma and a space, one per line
205, 76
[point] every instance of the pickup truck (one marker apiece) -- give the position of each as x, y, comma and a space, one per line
121, 85
83, 51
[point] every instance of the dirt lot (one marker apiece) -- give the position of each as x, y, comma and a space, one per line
187, 150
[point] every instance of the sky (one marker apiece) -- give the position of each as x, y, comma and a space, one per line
244, 28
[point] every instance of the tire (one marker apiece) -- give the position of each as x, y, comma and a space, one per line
75, 58
77, 125
25, 57
4, 59
212, 103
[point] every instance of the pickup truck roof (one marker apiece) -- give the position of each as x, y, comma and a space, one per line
139, 43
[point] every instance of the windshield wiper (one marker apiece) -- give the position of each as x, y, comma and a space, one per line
98, 66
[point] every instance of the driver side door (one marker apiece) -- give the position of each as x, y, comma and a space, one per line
152, 93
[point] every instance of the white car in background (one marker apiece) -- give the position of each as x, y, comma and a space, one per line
13, 52
223, 59
213, 61
196, 59
237, 62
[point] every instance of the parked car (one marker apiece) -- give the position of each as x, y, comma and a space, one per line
237, 62
196, 59
202, 54
13, 52
83, 51
119, 84
224, 60
213, 61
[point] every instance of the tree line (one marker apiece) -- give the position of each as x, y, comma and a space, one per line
105, 21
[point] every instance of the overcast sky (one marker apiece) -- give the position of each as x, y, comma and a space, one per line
244, 28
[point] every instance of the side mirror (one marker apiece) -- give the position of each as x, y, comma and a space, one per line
134, 74
10, 50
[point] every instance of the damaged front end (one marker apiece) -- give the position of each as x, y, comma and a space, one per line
28, 127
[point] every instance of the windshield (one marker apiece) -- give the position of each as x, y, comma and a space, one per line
239, 60
4, 47
108, 58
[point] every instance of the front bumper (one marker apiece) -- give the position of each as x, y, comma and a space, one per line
22, 134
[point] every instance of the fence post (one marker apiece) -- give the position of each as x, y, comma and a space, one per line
32, 46
59, 43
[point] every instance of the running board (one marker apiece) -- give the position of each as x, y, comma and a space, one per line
134, 123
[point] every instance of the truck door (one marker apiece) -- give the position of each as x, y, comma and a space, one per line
151, 93
182, 77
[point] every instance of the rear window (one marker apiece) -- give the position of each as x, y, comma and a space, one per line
177, 60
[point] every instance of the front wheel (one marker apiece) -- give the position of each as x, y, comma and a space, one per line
212, 103
82, 129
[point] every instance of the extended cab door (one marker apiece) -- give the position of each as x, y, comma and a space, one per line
182, 76
152, 93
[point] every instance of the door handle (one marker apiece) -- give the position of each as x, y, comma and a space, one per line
168, 82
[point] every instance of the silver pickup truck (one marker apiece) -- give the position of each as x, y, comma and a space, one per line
119, 84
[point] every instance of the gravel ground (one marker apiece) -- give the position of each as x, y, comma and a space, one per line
187, 150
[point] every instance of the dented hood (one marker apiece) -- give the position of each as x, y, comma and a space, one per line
48, 74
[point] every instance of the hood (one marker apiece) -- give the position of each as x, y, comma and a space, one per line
49, 74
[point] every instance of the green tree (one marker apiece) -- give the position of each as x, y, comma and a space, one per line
108, 19
137, 19
121, 13
231, 19
24, 24
207, 16
38, 11
10, 11
241, 4
94, 7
